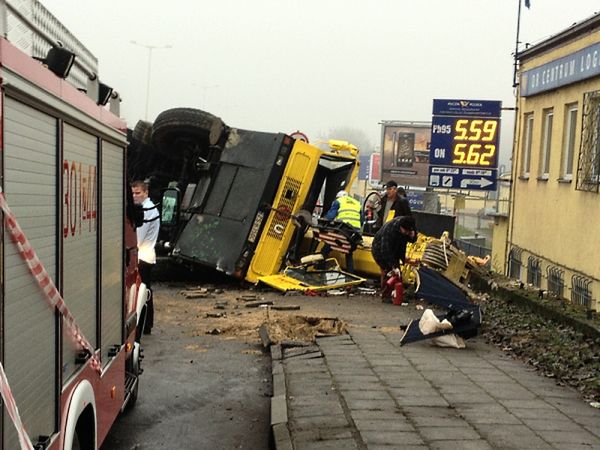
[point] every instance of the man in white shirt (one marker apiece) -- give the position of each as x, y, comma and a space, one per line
147, 235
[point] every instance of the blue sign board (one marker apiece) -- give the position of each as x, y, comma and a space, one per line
577, 66
467, 108
462, 178
363, 170
416, 200
464, 144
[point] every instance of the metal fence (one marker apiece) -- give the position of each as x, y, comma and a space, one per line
473, 249
534, 271
581, 293
556, 281
514, 263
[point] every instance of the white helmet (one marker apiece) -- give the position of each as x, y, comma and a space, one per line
341, 194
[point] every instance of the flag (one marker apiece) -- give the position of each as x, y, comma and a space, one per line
527, 4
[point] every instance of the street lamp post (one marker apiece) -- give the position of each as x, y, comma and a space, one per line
149, 48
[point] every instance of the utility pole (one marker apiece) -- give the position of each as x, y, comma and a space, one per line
149, 48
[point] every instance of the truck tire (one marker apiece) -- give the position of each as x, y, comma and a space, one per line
142, 132
185, 124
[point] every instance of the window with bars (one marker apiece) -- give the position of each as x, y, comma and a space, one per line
514, 263
588, 165
526, 147
566, 169
581, 294
556, 281
534, 271
544, 167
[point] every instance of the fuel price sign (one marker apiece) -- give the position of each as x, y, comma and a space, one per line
464, 144
464, 141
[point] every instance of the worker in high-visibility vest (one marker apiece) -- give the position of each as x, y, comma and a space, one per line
348, 210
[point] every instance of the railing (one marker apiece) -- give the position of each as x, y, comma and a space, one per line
556, 281
33, 29
514, 263
534, 271
580, 291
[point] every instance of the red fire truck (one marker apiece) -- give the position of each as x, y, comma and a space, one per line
71, 301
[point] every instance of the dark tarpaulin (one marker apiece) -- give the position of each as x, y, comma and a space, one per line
437, 290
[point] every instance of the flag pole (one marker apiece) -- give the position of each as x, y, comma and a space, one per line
515, 64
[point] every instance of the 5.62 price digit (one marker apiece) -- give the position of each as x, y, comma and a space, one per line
473, 154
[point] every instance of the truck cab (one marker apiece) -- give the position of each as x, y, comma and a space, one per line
242, 203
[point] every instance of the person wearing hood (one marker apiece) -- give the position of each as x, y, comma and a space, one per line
389, 244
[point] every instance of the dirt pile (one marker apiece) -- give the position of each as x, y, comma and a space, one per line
239, 314
301, 328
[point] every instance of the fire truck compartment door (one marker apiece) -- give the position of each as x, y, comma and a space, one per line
30, 333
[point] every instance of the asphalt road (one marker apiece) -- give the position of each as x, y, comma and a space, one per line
198, 391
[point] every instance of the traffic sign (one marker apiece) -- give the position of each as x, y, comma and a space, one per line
462, 178
299, 136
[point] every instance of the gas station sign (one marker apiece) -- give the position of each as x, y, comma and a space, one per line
464, 144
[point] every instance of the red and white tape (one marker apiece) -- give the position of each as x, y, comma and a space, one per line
53, 299
51, 294
13, 411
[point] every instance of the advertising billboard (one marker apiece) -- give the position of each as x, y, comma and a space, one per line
405, 152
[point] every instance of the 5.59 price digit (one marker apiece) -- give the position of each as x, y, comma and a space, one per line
475, 130
473, 154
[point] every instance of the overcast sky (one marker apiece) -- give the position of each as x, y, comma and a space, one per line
312, 65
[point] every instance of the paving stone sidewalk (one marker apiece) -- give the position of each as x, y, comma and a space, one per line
364, 391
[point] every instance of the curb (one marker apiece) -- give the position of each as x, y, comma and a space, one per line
279, 415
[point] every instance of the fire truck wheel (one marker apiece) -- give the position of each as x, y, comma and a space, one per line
142, 132
188, 125
76, 444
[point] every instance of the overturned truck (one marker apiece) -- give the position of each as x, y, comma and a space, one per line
236, 200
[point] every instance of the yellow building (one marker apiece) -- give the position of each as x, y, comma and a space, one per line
553, 228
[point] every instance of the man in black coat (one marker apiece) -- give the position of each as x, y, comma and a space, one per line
389, 244
393, 200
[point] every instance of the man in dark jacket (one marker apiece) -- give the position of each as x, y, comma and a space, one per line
393, 200
389, 244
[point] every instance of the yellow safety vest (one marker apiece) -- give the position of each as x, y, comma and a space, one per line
349, 211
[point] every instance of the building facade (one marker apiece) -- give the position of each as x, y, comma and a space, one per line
553, 226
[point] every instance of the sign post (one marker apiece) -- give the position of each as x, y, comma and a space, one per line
464, 144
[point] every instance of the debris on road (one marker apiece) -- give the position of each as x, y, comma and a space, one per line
259, 303
366, 291
336, 292
285, 307
249, 297
197, 293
